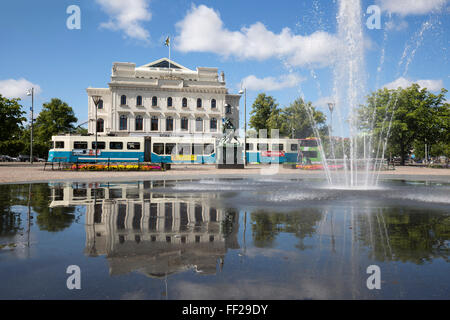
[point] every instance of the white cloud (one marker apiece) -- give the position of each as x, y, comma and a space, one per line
271, 83
396, 25
412, 7
12, 88
432, 85
127, 16
202, 30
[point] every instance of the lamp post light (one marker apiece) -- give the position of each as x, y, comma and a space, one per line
96, 100
31, 93
245, 124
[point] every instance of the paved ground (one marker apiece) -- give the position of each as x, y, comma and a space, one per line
23, 173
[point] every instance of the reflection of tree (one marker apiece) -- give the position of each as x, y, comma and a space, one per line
9, 218
266, 226
50, 219
408, 236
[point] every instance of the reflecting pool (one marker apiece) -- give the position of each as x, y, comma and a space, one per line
256, 238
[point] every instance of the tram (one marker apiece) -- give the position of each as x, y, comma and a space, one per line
172, 150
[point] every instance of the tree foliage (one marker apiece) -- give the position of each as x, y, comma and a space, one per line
11, 119
405, 117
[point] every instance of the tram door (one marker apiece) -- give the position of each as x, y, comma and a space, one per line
148, 150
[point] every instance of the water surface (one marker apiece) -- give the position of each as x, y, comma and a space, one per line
224, 239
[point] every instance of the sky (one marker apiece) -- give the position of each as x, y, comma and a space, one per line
287, 49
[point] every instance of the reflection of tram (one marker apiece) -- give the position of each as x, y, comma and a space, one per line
155, 233
196, 150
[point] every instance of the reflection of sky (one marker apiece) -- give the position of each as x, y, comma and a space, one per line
329, 263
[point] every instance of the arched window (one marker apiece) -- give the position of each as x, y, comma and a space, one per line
100, 125
184, 123
154, 101
184, 103
169, 101
199, 103
227, 109
100, 104
123, 122
169, 124
154, 123
139, 123
199, 125
213, 103
139, 101
123, 100
213, 124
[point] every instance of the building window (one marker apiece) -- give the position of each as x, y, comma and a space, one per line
184, 123
154, 101
184, 103
213, 124
169, 124
154, 123
213, 104
169, 102
100, 125
227, 109
199, 103
123, 100
199, 125
139, 101
123, 122
100, 104
139, 123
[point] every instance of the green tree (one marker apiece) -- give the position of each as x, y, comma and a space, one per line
295, 120
404, 117
11, 119
56, 117
262, 110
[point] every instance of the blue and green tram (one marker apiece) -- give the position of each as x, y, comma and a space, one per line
170, 150
309, 151
271, 150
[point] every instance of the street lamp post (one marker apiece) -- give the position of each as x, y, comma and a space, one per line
31, 93
245, 124
96, 100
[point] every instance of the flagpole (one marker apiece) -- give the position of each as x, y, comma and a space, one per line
169, 53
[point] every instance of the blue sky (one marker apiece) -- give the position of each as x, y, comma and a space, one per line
283, 48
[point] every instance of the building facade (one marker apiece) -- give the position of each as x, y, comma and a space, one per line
162, 98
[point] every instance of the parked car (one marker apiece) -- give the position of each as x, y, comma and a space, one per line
24, 158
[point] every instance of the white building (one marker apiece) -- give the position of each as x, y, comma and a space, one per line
163, 98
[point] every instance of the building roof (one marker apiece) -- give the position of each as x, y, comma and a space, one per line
165, 63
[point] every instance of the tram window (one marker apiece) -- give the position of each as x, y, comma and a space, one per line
277, 147
184, 149
116, 145
263, 146
100, 145
310, 154
133, 146
308, 143
208, 148
59, 144
294, 147
197, 149
249, 146
80, 145
158, 148
170, 147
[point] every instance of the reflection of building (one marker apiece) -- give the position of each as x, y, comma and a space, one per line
150, 232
